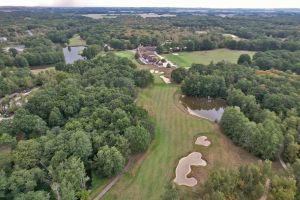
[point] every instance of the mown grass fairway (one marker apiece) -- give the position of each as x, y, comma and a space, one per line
76, 41
176, 132
186, 59
127, 54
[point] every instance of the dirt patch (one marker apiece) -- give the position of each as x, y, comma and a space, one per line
183, 169
202, 140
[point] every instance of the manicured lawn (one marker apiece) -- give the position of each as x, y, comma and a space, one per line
127, 54
176, 132
186, 59
76, 41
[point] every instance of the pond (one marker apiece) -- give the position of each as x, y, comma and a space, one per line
72, 54
211, 109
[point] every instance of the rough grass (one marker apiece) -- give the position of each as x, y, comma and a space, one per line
37, 70
97, 185
186, 59
176, 132
76, 41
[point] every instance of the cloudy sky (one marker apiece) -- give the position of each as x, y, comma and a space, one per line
159, 3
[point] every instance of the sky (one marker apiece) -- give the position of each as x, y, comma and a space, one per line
158, 3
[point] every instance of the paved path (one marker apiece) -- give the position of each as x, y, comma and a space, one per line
113, 181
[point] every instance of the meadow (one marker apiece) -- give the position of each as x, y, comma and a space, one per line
176, 132
186, 59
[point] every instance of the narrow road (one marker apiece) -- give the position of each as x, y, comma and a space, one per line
114, 180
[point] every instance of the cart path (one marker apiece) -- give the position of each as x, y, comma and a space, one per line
114, 180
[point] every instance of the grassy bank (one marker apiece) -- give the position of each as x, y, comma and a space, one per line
176, 132
186, 59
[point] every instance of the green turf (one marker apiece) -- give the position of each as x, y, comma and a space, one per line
76, 41
186, 59
176, 132
127, 54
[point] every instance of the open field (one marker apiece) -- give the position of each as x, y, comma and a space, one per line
176, 133
186, 59
76, 41
99, 16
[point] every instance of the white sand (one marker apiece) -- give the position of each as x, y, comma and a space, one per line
175, 54
202, 140
151, 71
156, 72
184, 168
162, 72
166, 80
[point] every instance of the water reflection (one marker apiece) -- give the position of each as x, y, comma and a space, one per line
72, 54
211, 109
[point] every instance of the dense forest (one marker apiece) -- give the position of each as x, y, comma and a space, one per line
92, 109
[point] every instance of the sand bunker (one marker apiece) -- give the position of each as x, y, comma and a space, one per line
166, 80
156, 72
184, 168
175, 54
151, 71
202, 140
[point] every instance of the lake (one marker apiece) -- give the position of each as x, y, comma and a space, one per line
211, 109
72, 54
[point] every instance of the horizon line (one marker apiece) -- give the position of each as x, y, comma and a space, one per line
223, 8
